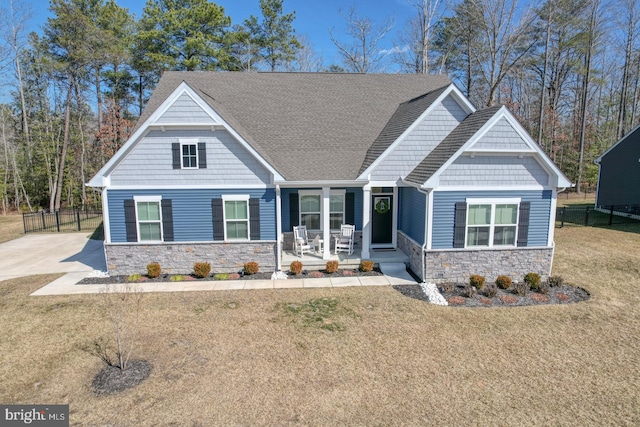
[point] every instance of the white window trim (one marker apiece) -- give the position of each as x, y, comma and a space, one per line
493, 202
157, 199
187, 141
236, 198
319, 193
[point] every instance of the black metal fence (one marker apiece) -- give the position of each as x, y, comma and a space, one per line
68, 220
592, 216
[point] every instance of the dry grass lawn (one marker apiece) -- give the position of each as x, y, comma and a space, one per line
366, 356
11, 227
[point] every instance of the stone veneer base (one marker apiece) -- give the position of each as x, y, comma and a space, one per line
178, 258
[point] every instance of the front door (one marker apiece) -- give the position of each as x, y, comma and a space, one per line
382, 220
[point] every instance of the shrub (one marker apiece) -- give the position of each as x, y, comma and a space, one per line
176, 278
556, 281
503, 282
221, 276
491, 290
469, 291
296, 267
366, 265
447, 287
532, 280
251, 267
544, 287
331, 267
202, 269
154, 270
134, 277
477, 281
521, 288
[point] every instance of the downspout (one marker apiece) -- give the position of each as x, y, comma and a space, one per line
426, 232
278, 229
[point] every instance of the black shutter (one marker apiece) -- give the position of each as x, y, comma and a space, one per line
130, 220
523, 223
175, 150
460, 225
167, 220
254, 218
294, 210
202, 155
349, 208
218, 219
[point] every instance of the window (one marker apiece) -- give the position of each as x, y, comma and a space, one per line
236, 218
189, 156
492, 223
311, 209
149, 219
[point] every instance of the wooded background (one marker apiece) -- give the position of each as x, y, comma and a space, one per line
70, 95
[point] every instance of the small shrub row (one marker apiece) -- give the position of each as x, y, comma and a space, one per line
200, 269
531, 281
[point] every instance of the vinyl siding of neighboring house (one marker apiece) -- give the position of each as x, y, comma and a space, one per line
411, 213
494, 171
192, 212
422, 139
228, 162
619, 178
444, 214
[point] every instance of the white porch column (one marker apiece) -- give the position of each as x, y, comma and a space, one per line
278, 229
366, 222
326, 224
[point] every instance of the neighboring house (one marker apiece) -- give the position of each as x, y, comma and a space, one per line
221, 166
619, 175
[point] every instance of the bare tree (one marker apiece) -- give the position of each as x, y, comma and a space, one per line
415, 39
362, 54
632, 18
306, 58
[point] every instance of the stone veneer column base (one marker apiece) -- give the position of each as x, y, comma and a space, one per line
457, 265
178, 258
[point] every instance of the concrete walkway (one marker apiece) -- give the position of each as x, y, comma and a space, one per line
76, 255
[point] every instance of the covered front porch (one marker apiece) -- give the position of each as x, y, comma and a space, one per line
315, 261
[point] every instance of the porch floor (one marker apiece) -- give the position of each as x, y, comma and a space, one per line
314, 261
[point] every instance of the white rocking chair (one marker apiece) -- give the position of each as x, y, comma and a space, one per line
300, 240
344, 242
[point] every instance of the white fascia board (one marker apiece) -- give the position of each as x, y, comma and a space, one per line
599, 159
151, 122
451, 90
320, 184
470, 188
192, 186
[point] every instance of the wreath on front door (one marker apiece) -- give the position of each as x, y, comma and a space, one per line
382, 205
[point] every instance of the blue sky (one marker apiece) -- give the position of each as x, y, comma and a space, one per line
313, 17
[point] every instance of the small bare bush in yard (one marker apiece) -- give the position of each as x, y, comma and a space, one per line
556, 281
331, 267
490, 290
503, 282
201, 269
532, 280
544, 288
366, 265
447, 287
154, 270
477, 281
521, 288
469, 291
251, 267
296, 267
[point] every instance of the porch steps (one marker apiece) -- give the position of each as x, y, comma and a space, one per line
397, 273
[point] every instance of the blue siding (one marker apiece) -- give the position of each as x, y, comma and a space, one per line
444, 209
192, 213
358, 205
411, 213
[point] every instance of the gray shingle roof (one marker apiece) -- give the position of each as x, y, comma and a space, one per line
309, 126
404, 116
450, 145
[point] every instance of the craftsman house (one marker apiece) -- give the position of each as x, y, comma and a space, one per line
222, 167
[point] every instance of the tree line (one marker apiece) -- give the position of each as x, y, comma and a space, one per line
71, 93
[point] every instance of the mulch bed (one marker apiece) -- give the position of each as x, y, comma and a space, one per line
564, 294
306, 274
112, 380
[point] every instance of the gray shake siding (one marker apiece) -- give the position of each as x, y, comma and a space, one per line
442, 120
185, 110
494, 171
228, 163
501, 136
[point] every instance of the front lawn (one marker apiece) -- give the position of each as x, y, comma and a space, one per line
347, 356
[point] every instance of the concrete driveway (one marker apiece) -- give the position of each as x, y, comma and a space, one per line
50, 253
